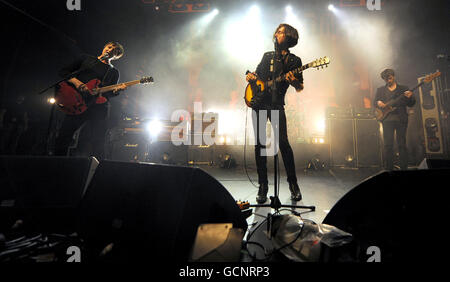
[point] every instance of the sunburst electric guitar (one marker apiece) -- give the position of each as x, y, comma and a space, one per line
255, 90
73, 102
382, 113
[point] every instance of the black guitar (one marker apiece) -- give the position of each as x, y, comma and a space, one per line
382, 113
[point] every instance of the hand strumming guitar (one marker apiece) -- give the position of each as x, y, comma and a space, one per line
407, 94
80, 86
381, 104
251, 77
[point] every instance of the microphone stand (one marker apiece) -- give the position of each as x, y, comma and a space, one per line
52, 111
274, 200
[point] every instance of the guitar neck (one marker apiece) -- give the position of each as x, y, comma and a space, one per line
417, 86
295, 71
391, 102
112, 87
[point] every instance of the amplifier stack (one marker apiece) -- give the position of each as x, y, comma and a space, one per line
354, 136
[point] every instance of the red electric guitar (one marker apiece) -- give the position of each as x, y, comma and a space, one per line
73, 102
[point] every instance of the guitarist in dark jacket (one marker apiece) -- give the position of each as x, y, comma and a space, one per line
399, 97
284, 38
96, 115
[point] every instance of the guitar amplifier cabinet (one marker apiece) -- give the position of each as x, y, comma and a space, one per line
341, 136
128, 145
368, 143
165, 152
354, 142
364, 113
339, 113
200, 124
201, 155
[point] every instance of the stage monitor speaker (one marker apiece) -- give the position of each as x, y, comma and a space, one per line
434, 163
367, 138
43, 192
341, 137
151, 212
395, 215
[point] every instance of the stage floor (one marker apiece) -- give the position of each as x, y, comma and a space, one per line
319, 188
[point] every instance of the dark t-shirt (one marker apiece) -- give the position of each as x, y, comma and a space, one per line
284, 65
385, 95
107, 74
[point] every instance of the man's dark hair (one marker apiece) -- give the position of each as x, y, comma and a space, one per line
118, 49
291, 34
386, 73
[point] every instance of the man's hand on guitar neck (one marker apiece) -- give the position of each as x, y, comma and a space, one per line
290, 77
121, 87
408, 94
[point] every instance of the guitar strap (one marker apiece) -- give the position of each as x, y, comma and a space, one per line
106, 74
271, 66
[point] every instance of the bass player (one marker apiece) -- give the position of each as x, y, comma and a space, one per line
397, 121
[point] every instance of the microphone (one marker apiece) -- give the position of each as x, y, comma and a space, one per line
277, 49
105, 57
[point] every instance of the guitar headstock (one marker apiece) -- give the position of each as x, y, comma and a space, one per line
146, 79
321, 62
430, 77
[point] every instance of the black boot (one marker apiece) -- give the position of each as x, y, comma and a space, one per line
295, 192
262, 193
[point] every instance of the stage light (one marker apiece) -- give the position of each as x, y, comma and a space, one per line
320, 126
316, 163
210, 16
318, 140
225, 140
154, 127
166, 158
243, 39
331, 8
291, 18
51, 100
254, 10
349, 158
227, 161
227, 121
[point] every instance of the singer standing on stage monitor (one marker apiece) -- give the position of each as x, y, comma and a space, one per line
97, 113
272, 65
